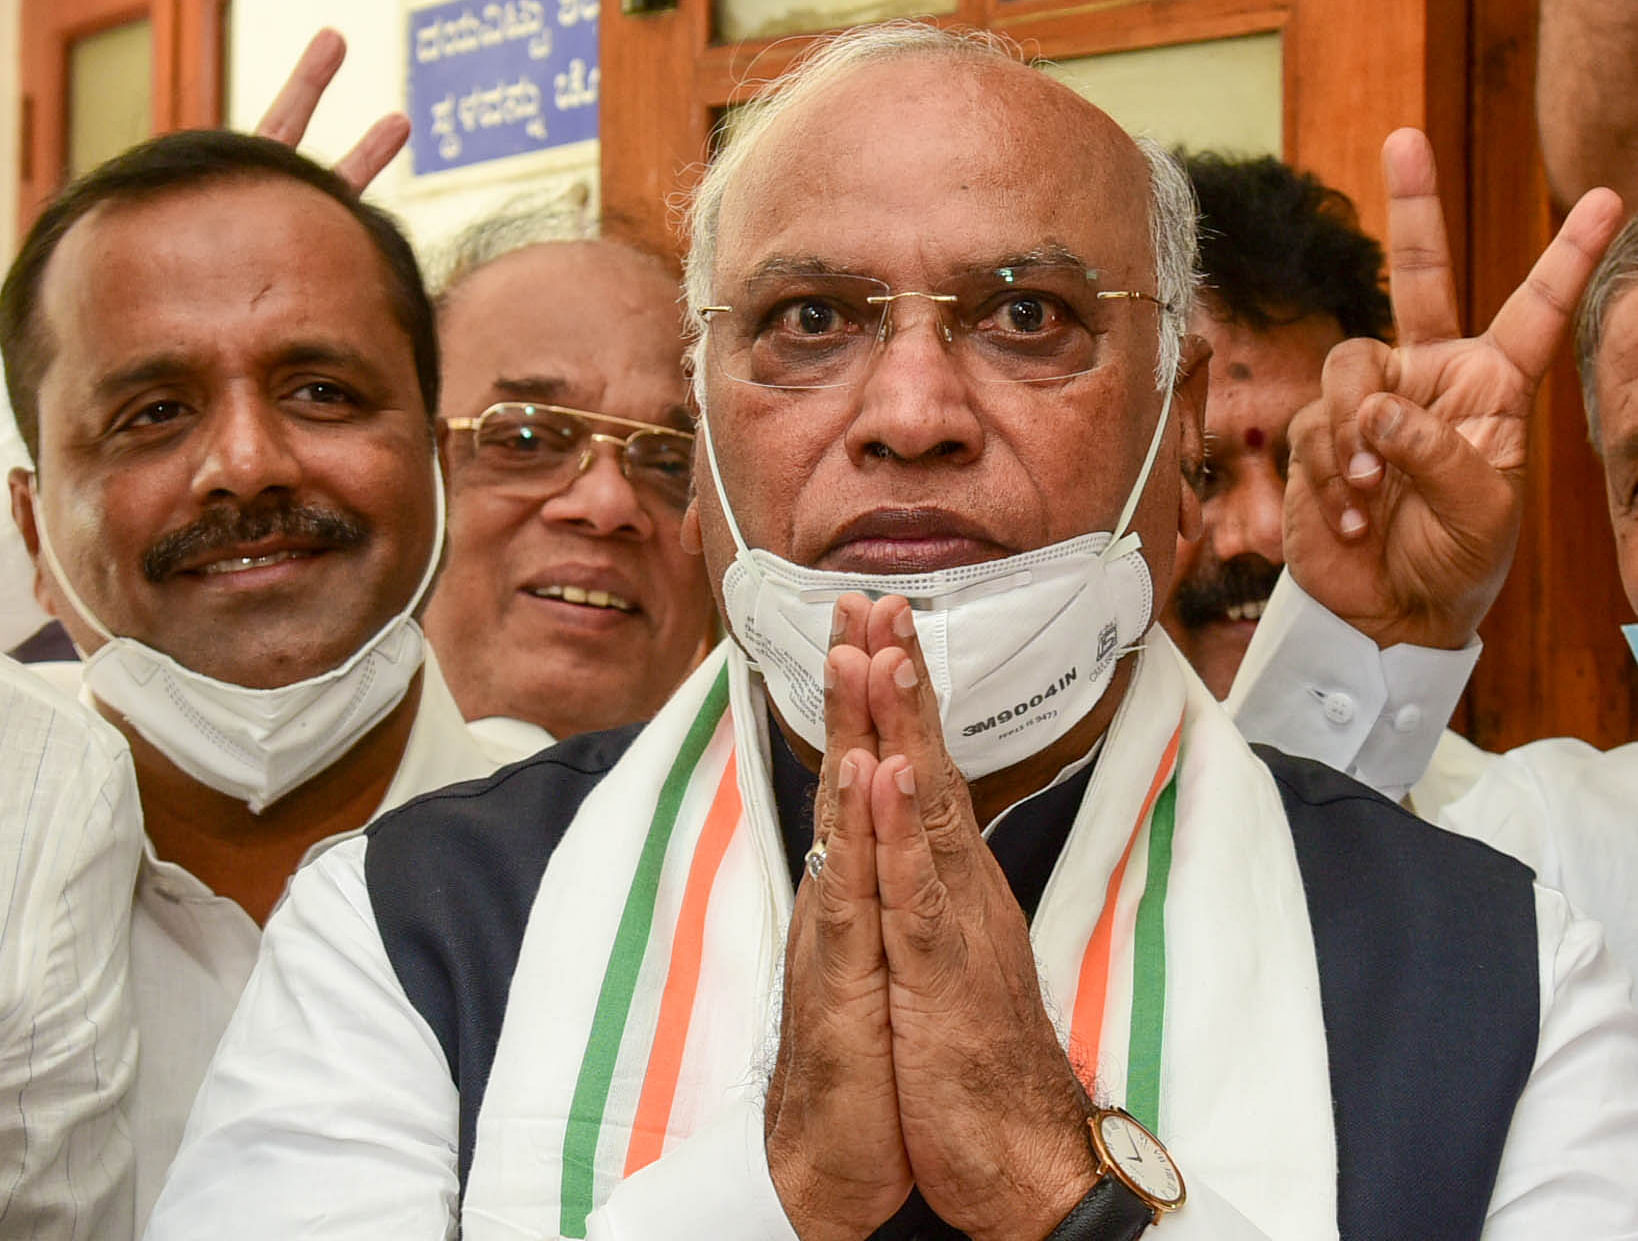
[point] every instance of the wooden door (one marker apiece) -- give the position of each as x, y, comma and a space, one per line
84, 63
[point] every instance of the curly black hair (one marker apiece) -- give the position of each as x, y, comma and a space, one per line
1277, 245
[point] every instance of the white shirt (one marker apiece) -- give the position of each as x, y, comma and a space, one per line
70, 839
192, 950
1563, 808
1567, 1169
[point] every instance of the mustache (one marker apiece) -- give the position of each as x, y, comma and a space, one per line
221, 529
1212, 590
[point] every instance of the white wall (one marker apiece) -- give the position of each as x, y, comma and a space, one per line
268, 35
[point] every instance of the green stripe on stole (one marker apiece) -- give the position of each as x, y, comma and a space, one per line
1149, 967
591, 1089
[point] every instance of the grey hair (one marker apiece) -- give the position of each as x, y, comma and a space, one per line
1613, 276
522, 221
1172, 210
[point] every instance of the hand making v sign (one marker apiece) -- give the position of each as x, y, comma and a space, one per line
1406, 479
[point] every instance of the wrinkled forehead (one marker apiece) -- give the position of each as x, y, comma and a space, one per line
909, 166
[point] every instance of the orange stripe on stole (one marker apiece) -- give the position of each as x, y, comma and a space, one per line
682, 978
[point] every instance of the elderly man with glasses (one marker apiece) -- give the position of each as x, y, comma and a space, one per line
567, 599
949, 842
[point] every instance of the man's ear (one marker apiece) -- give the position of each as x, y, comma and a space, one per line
692, 543
1189, 407
22, 512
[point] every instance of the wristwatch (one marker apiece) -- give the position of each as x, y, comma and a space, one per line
1137, 1183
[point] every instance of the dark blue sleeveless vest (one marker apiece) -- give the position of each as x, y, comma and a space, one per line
1426, 944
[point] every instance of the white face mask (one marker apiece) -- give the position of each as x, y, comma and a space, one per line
1019, 650
253, 744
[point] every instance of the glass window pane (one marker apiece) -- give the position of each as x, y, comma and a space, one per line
1223, 94
766, 19
110, 106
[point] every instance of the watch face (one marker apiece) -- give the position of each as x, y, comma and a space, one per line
1140, 1158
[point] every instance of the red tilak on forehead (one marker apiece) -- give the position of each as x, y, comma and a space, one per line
1254, 438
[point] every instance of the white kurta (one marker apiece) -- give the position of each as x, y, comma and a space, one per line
70, 839
1563, 808
192, 950
361, 1142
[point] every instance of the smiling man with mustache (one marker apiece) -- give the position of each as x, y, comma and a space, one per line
223, 365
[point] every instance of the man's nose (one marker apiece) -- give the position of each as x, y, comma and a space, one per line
914, 402
600, 500
1250, 518
249, 447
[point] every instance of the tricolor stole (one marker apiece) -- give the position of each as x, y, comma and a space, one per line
1126, 956
1127, 943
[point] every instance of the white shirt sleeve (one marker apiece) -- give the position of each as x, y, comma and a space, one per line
1570, 1168
329, 1112
70, 844
1314, 686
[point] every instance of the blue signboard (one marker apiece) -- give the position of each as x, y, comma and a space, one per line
489, 80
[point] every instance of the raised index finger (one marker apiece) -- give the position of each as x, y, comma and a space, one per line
1533, 320
1420, 284
287, 117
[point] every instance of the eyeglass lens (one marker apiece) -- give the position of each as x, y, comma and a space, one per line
527, 443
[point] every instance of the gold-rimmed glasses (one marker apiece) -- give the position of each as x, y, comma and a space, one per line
549, 446
1033, 322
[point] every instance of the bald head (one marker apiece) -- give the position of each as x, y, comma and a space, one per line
1073, 159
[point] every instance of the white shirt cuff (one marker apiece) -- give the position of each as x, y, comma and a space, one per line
715, 1187
1314, 686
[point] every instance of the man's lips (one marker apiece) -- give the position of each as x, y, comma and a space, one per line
242, 558
909, 541
586, 587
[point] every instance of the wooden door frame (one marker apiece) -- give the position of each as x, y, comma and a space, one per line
1352, 73
186, 78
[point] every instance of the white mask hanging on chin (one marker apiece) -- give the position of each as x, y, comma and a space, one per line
1019, 650
253, 744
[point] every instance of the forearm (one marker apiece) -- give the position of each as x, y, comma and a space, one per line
1585, 105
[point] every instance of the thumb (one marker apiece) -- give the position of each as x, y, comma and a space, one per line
1458, 484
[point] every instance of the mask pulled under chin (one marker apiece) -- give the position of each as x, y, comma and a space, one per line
255, 745
1019, 650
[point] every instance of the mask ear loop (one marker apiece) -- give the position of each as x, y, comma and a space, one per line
716, 481
49, 555
1123, 541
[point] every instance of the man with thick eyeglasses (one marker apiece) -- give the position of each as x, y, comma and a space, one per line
567, 600
949, 842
